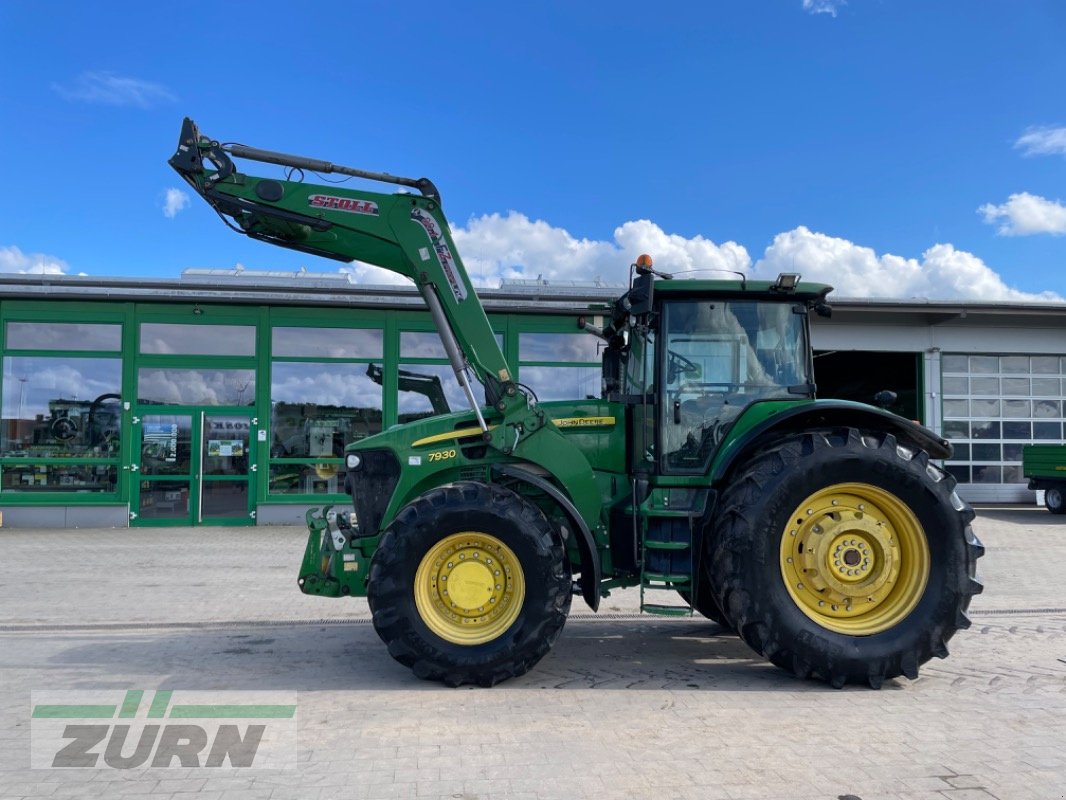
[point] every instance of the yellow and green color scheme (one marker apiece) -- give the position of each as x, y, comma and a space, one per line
467, 528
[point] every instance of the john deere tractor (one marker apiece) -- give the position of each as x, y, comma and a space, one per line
706, 473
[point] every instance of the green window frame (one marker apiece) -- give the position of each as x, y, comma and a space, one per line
69, 468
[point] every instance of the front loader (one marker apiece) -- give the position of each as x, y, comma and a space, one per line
707, 473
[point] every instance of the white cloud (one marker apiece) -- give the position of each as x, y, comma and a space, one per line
823, 6
496, 247
14, 260
1042, 140
1025, 214
855, 271
174, 200
107, 88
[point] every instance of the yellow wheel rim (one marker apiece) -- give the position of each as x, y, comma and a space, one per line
855, 558
469, 588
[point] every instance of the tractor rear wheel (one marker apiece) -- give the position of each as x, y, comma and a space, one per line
841, 555
469, 584
705, 604
1055, 499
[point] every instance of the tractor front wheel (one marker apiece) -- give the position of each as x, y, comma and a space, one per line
469, 584
842, 555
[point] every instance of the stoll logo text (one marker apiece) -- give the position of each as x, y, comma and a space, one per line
137, 729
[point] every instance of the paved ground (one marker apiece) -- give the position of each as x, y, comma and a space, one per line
622, 708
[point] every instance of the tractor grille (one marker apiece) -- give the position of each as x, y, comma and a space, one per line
371, 487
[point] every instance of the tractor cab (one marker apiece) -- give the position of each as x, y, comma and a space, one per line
693, 356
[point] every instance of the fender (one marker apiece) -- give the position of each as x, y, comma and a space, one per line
833, 412
591, 573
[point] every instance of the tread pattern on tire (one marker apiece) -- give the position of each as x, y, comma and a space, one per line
800, 646
403, 544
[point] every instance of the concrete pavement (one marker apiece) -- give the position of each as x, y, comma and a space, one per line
622, 707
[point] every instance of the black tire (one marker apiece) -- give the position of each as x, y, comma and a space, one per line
756, 510
1054, 501
422, 524
705, 604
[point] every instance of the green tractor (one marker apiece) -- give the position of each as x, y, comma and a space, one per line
706, 473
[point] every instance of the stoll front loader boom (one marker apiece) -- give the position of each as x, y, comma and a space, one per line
706, 474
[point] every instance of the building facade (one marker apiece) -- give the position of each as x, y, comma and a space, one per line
227, 397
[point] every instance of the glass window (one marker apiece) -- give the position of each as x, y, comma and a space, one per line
199, 387
986, 430
1013, 452
63, 336
1012, 473
956, 408
987, 473
986, 452
984, 364
61, 407
1047, 409
164, 500
1046, 387
427, 344
960, 452
961, 472
1045, 365
58, 478
1047, 431
173, 338
562, 383
166, 444
1015, 387
1014, 365
429, 389
317, 408
955, 364
956, 386
558, 347
1017, 430
984, 408
328, 342
956, 430
985, 386
1017, 408
323, 478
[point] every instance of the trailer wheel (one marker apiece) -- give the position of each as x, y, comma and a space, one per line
469, 584
844, 556
1054, 500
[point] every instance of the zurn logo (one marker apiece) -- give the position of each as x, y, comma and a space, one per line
162, 729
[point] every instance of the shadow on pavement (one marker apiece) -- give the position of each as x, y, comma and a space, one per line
594, 654
1020, 515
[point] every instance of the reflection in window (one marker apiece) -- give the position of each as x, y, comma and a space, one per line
174, 338
58, 478
318, 408
427, 344
558, 347
322, 478
562, 383
429, 389
61, 407
328, 342
196, 387
63, 336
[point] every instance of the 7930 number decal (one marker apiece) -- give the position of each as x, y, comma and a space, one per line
441, 455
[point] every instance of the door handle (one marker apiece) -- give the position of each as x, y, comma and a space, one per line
677, 412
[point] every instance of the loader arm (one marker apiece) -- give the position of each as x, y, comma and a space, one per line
404, 233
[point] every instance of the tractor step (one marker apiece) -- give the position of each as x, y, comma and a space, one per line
651, 544
664, 577
666, 611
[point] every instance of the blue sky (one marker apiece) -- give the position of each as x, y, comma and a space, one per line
887, 146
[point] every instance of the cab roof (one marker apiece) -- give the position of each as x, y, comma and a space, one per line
757, 289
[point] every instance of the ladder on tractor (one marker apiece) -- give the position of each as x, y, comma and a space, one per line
669, 557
